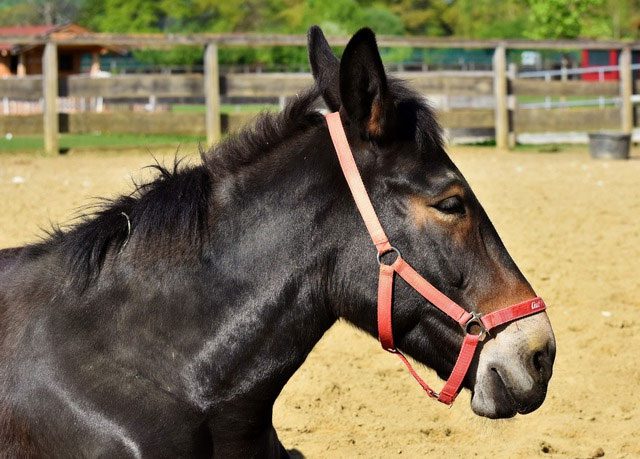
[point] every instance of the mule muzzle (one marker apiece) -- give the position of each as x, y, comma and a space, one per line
514, 369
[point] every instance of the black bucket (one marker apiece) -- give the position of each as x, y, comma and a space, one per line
609, 145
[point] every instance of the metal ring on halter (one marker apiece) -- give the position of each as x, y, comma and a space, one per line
476, 319
392, 249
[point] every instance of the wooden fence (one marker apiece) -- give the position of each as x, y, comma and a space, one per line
271, 85
500, 85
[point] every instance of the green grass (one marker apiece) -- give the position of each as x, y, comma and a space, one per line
121, 141
225, 108
97, 141
34, 143
541, 99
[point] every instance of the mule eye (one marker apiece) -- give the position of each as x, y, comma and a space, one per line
452, 205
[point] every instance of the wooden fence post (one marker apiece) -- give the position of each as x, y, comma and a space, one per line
500, 95
50, 95
512, 103
212, 93
626, 90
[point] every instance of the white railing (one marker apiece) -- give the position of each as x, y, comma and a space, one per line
566, 71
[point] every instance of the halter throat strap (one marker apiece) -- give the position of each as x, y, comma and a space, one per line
475, 326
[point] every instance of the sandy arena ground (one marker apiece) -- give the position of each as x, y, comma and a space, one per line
572, 225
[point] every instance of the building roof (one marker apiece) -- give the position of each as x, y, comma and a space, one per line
28, 30
36, 31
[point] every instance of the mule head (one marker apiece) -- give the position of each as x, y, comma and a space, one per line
431, 215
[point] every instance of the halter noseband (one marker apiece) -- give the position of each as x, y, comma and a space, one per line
467, 320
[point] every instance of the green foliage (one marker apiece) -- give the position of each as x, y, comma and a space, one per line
19, 12
338, 17
465, 18
424, 17
549, 19
488, 18
28, 143
554, 19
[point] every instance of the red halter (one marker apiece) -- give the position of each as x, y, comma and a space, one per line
467, 320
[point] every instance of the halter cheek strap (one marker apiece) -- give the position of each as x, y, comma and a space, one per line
475, 326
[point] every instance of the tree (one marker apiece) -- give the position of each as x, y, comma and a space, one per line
337, 17
554, 19
542, 19
124, 16
22, 13
424, 17
487, 18
30, 12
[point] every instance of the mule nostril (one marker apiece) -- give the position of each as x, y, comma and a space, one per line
538, 361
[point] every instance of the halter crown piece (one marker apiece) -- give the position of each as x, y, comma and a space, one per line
469, 321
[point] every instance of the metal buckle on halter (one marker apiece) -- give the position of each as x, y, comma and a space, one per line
476, 319
391, 249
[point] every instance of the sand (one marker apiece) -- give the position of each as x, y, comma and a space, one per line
571, 224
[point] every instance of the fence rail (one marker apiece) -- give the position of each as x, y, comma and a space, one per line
559, 88
154, 40
567, 72
513, 107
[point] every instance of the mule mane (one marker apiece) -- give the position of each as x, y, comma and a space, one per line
171, 210
257, 142
174, 209
418, 119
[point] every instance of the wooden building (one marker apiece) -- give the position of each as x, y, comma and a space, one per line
21, 60
605, 58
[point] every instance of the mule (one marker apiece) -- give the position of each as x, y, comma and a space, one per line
167, 322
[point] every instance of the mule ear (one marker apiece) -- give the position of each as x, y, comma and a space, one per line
325, 67
363, 85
